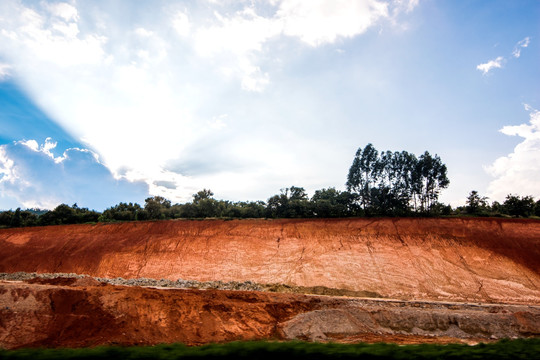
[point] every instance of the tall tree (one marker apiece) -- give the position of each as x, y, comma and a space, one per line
430, 178
395, 182
363, 173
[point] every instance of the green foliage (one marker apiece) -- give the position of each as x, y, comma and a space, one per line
330, 202
65, 214
395, 183
476, 204
519, 206
122, 212
364, 173
505, 349
430, 177
18, 218
292, 202
156, 207
204, 194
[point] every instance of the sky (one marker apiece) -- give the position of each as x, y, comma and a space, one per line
110, 101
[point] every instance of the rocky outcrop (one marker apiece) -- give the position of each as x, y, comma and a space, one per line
483, 260
83, 312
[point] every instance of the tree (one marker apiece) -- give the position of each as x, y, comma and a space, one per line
156, 206
121, 212
516, 206
204, 194
403, 166
333, 203
430, 178
205, 205
363, 173
290, 203
5, 218
394, 182
16, 219
476, 203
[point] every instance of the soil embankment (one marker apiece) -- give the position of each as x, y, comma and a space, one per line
482, 260
83, 312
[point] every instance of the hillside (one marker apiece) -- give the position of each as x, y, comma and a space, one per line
82, 312
481, 260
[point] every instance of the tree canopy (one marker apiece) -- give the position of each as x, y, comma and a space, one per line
396, 182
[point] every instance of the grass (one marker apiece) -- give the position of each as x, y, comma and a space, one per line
506, 349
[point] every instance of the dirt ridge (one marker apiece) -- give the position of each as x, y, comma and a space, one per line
86, 313
486, 260
439, 280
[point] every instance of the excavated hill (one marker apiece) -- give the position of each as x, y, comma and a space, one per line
480, 260
71, 312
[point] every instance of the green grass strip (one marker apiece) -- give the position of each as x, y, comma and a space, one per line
505, 349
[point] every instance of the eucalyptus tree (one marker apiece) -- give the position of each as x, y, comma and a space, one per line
396, 182
364, 173
430, 178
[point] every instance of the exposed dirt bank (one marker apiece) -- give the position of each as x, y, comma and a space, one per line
84, 312
67, 279
485, 260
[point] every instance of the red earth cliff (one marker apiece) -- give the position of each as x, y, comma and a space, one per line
82, 312
483, 260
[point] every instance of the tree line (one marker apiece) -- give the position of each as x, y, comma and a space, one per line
378, 184
513, 205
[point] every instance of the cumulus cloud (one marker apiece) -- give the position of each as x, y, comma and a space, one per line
520, 45
240, 36
519, 171
52, 34
315, 23
46, 148
490, 65
32, 175
143, 93
321, 21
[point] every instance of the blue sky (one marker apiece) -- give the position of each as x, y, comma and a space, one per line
109, 101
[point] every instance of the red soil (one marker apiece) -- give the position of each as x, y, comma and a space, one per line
76, 315
484, 260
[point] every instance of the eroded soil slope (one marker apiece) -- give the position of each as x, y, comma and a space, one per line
83, 312
484, 260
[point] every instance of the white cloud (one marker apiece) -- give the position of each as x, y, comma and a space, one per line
63, 10
519, 171
30, 174
315, 22
53, 36
49, 145
498, 62
142, 96
521, 44
490, 65
4, 71
181, 23
218, 122
7, 173
322, 21
241, 36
